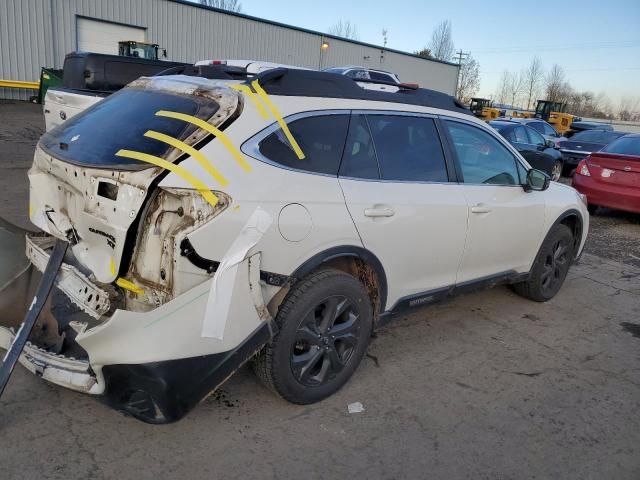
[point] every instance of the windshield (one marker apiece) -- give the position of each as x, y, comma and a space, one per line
119, 122
595, 136
624, 146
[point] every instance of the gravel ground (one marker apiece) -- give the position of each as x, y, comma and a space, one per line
487, 386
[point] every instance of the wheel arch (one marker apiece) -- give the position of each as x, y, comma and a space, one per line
355, 260
573, 219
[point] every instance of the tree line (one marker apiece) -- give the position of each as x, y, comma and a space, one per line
522, 89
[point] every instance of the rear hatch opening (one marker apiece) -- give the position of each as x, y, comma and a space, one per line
107, 204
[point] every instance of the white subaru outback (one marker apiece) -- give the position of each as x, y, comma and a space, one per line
280, 219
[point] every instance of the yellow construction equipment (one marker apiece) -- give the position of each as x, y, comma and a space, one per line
554, 113
483, 108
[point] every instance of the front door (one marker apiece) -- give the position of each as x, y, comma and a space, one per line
505, 221
396, 185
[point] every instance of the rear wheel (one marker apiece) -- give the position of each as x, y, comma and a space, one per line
325, 324
550, 266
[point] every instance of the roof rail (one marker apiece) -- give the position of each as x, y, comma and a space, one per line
311, 83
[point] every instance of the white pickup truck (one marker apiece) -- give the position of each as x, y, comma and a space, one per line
63, 103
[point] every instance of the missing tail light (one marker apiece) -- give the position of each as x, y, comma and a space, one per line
157, 265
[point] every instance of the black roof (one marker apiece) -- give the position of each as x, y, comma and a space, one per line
311, 83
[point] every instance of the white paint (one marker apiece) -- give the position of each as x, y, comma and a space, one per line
221, 293
355, 407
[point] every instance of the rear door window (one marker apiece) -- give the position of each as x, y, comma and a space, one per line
518, 135
408, 148
535, 138
321, 139
92, 137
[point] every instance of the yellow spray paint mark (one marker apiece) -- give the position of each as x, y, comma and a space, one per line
159, 162
211, 129
127, 285
30, 210
252, 96
276, 114
200, 158
112, 267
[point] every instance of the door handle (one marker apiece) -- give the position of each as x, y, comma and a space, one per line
379, 212
481, 208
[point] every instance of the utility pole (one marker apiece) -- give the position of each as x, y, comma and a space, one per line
460, 55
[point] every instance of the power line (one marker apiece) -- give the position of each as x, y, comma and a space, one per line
546, 48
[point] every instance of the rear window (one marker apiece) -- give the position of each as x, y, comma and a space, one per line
624, 146
119, 122
595, 136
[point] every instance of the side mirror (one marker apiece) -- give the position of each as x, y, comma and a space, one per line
550, 143
537, 181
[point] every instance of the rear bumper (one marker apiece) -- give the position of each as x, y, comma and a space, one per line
154, 365
164, 392
605, 195
65, 371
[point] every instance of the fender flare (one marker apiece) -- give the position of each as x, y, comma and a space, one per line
572, 212
352, 251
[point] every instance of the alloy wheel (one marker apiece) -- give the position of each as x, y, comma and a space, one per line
325, 341
555, 265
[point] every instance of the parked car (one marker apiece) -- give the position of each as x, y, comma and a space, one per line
582, 144
369, 78
543, 128
539, 152
581, 126
611, 177
203, 233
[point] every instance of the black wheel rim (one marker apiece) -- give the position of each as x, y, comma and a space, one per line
325, 341
555, 266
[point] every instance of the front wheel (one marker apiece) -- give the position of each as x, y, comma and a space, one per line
550, 266
325, 324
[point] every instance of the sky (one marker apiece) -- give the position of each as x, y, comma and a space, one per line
596, 42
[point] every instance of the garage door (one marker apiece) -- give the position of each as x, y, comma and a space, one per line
103, 37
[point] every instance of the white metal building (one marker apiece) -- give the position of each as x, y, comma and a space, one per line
37, 33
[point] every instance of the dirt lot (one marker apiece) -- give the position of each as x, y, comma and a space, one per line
488, 385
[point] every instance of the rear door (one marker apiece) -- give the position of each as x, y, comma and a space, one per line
505, 222
396, 184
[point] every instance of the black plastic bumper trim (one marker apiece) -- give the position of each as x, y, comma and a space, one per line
164, 392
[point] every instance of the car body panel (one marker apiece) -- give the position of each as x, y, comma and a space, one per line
614, 181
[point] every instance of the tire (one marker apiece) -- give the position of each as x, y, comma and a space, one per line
556, 170
592, 209
550, 266
325, 323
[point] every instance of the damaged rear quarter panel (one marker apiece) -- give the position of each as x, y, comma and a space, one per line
94, 208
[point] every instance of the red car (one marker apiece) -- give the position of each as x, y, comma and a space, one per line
611, 177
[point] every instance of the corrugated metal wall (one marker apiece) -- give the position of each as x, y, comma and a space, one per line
35, 33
